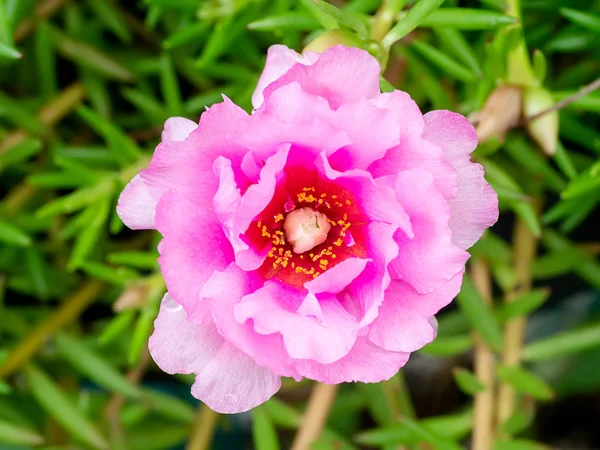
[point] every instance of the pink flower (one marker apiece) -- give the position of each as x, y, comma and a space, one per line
316, 237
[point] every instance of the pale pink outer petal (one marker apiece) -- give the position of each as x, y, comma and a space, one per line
429, 259
136, 207
475, 206
279, 60
340, 75
365, 362
305, 337
193, 247
403, 324
178, 128
227, 380
223, 291
187, 165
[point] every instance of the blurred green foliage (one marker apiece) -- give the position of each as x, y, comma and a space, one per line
86, 87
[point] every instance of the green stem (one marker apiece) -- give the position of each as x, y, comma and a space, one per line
519, 71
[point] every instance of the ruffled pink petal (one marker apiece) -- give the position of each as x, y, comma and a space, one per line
187, 165
223, 291
429, 259
236, 211
404, 324
340, 75
378, 202
338, 277
365, 362
178, 128
304, 336
292, 116
279, 60
227, 380
399, 102
414, 152
136, 207
475, 206
366, 292
194, 246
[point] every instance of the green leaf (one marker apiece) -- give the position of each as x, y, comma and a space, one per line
460, 48
139, 260
60, 407
87, 240
186, 35
293, 20
565, 343
467, 19
522, 305
555, 264
452, 426
20, 116
17, 435
20, 152
518, 444
123, 148
449, 346
94, 366
467, 381
264, 434
12, 235
525, 382
328, 22
169, 406
9, 52
585, 19
425, 434
111, 16
141, 332
444, 62
170, 86
281, 414
343, 18
479, 314
412, 20
539, 65
91, 58
521, 419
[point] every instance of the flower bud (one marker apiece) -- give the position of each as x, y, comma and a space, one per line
332, 38
501, 112
544, 130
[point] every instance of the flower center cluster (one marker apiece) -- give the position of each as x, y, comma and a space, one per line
308, 233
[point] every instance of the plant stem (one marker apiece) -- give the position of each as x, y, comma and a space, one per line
50, 113
524, 250
587, 89
384, 18
42, 12
68, 311
317, 410
483, 417
204, 429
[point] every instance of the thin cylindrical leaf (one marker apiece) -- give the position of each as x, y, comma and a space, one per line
412, 20
12, 235
169, 406
427, 435
479, 314
522, 305
467, 381
519, 444
264, 433
448, 346
585, 19
460, 48
287, 21
525, 382
467, 19
444, 62
17, 435
565, 343
61, 408
170, 86
94, 366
